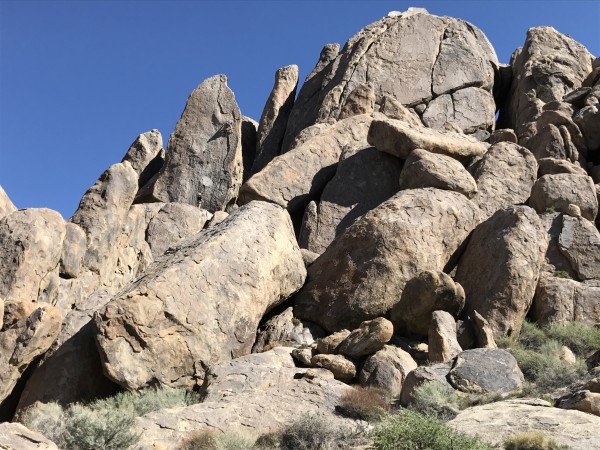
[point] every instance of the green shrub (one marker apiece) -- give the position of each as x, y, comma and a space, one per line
531, 336
562, 274
408, 430
580, 337
315, 432
104, 423
363, 403
531, 441
437, 399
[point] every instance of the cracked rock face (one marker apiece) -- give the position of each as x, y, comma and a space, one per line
413, 57
203, 165
186, 311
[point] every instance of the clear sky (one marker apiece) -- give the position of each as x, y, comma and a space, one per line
79, 80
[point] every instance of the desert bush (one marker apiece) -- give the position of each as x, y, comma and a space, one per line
562, 274
409, 430
531, 336
315, 432
531, 441
104, 423
363, 403
580, 337
437, 399
148, 400
544, 367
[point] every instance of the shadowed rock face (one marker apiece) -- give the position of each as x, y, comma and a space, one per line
414, 57
203, 165
363, 272
201, 302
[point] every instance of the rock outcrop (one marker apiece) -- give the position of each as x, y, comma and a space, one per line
185, 312
203, 165
363, 272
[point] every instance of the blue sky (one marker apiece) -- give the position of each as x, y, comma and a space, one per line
79, 80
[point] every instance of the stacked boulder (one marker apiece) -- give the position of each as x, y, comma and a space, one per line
375, 230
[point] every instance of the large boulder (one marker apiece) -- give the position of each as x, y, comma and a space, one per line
484, 370
414, 57
203, 165
387, 369
500, 267
258, 393
363, 180
549, 65
498, 421
559, 191
28, 330
363, 272
505, 176
294, 178
273, 120
186, 311
425, 169
31, 244
424, 374
429, 291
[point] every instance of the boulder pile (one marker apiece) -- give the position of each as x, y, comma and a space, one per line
380, 228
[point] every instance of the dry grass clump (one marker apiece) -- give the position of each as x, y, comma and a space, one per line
531, 441
362, 403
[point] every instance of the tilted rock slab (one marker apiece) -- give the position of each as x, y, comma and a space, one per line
28, 331
495, 422
142, 153
413, 57
400, 138
254, 394
505, 176
6, 205
294, 178
186, 311
501, 266
363, 272
363, 180
17, 436
443, 344
203, 165
273, 120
